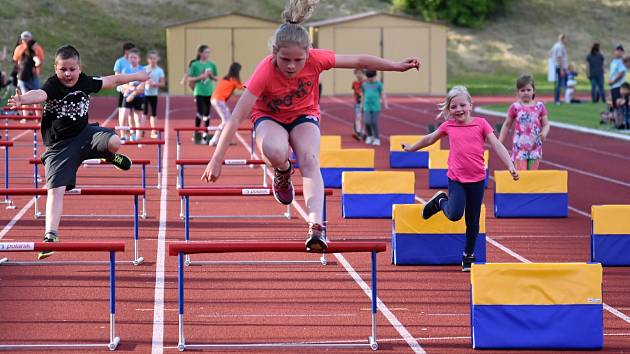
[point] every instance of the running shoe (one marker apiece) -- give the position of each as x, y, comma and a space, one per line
48, 237
120, 161
467, 261
316, 238
282, 186
432, 207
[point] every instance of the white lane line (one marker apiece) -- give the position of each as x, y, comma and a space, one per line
582, 172
503, 248
400, 328
16, 218
157, 342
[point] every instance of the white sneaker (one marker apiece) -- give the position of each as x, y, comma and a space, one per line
214, 141
369, 140
376, 142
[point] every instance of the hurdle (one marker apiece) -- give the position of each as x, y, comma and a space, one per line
180, 249
6, 145
178, 141
228, 162
135, 192
96, 162
159, 143
159, 130
111, 247
186, 193
11, 109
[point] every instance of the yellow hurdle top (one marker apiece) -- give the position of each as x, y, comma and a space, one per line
540, 181
408, 220
536, 284
378, 182
611, 219
330, 142
395, 142
335, 158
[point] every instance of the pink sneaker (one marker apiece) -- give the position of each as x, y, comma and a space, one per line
282, 187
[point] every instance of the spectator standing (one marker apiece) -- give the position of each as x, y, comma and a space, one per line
29, 56
120, 66
560, 58
595, 73
617, 76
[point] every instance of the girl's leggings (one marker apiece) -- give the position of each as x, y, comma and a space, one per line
371, 123
465, 196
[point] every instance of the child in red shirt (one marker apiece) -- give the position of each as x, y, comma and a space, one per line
359, 128
281, 100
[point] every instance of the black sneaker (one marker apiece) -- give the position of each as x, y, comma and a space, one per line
467, 261
282, 186
120, 161
432, 207
48, 237
316, 238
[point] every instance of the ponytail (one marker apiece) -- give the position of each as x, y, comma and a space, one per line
292, 32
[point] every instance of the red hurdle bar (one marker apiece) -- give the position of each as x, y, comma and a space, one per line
159, 143
7, 108
186, 193
181, 248
135, 192
210, 129
111, 247
143, 182
181, 163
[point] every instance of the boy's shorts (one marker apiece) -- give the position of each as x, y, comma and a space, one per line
63, 159
137, 104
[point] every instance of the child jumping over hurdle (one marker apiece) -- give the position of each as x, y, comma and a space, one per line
281, 96
466, 167
69, 137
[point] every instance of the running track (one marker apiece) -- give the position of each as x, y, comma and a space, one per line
424, 308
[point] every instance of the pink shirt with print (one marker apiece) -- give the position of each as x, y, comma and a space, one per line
286, 99
465, 159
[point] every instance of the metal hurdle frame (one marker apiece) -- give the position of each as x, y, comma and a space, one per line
111, 247
180, 249
241, 191
159, 143
6, 145
137, 259
159, 130
252, 135
94, 162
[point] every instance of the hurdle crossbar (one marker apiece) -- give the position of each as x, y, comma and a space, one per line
178, 141
186, 193
159, 143
135, 192
182, 163
111, 247
96, 162
180, 249
11, 109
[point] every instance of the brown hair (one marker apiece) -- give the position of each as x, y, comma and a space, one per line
291, 32
524, 80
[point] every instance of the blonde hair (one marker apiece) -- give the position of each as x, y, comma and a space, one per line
291, 31
452, 93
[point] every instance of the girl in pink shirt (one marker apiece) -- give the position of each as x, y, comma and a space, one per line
531, 126
466, 168
281, 100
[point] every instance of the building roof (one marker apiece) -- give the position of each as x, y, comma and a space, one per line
219, 15
334, 21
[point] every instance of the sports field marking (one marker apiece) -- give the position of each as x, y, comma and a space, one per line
157, 341
264, 315
16, 218
400, 328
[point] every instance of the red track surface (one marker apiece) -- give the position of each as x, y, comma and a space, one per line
277, 303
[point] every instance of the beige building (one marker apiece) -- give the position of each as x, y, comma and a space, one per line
231, 37
389, 36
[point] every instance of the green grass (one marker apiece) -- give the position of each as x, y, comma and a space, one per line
582, 114
505, 84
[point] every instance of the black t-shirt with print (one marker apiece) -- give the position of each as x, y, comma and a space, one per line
66, 109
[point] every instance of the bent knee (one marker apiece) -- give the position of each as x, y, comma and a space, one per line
308, 162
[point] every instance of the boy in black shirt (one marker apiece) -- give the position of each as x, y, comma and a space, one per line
68, 136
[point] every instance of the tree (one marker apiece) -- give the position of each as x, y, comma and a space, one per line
465, 13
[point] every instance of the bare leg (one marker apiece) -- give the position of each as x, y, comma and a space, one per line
113, 144
273, 141
122, 112
305, 142
54, 208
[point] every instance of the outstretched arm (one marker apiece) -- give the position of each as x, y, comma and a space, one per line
370, 62
424, 142
31, 97
112, 81
503, 154
241, 112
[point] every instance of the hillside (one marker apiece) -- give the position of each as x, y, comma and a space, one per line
515, 40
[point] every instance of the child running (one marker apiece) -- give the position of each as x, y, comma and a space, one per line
282, 92
151, 88
531, 126
69, 137
466, 167
359, 127
225, 88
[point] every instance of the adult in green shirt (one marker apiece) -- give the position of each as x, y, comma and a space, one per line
203, 72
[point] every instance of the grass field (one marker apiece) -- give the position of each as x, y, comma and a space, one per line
582, 114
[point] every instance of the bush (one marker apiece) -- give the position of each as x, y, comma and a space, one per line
464, 13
